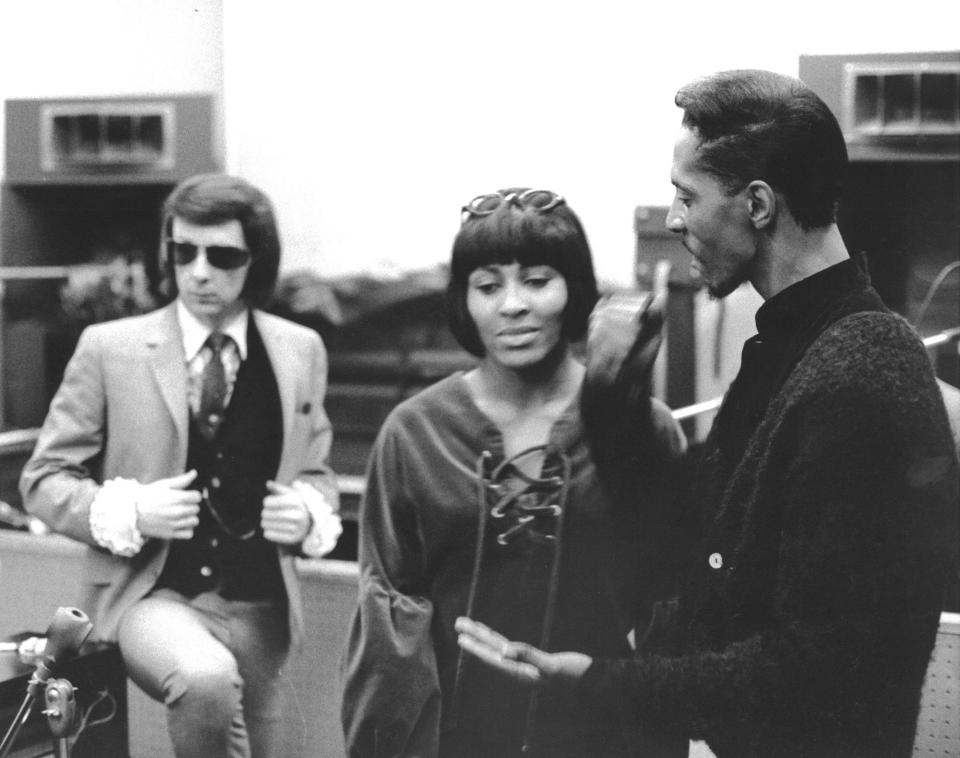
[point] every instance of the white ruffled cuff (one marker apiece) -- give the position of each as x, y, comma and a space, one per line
326, 527
113, 517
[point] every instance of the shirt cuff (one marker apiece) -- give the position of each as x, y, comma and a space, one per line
113, 517
325, 526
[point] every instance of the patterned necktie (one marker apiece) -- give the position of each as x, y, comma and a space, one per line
213, 388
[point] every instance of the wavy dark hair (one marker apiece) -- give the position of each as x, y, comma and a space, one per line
524, 235
213, 199
761, 125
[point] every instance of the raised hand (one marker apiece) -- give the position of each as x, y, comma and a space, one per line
167, 509
633, 444
623, 338
518, 660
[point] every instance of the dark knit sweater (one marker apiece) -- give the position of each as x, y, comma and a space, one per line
827, 497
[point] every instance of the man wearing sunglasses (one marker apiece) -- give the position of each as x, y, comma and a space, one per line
188, 447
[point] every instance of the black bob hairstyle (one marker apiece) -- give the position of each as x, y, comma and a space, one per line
516, 233
213, 199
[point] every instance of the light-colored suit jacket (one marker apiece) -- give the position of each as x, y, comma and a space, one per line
121, 411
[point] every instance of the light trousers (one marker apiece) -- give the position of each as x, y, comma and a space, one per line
216, 664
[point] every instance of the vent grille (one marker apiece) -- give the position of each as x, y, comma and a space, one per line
889, 102
106, 135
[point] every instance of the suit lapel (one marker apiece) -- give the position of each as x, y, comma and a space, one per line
287, 369
165, 349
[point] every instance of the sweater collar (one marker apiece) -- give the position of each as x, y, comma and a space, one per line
798, 306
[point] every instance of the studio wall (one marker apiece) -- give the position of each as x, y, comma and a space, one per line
371, 122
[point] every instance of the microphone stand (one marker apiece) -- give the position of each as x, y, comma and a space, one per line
66, 633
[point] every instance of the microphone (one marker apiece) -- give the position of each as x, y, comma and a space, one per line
66, 633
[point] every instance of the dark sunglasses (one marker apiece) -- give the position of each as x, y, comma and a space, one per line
540, 200
219, 256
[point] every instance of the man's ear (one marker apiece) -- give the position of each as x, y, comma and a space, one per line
761, 204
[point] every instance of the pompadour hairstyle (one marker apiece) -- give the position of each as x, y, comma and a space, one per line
761, 125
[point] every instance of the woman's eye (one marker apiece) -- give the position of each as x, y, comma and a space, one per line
537, 281
486, 288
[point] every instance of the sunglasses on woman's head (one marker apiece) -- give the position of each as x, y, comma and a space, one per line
219, 256
540, 200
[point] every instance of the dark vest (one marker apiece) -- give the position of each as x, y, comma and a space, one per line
233, 469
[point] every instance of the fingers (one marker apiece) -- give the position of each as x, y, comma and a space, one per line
283, 501
524, 673
614, 326
178, 482
522, 662
482, 633
620, 309
656, 309
625, 335
182, 528
516, 659
284, 533
496, 651
285, 517
168, 520
286, 506
279, 489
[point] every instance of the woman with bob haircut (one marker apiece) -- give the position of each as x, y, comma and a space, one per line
483, 500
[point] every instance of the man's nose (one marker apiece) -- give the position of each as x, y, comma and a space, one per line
200, 267
674, 220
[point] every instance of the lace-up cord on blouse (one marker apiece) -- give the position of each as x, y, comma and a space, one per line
531, 508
